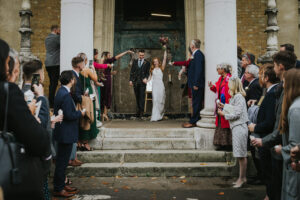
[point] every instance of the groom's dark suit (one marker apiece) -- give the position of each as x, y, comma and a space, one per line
139, 71
196, 78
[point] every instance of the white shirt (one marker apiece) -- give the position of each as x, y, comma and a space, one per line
271, 87
67, 88
140, 60
76, 73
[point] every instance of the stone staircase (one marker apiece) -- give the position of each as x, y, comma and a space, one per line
139, 148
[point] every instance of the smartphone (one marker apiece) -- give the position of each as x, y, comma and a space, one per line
90, 63
35, 80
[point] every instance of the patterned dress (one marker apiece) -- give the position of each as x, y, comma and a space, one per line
238, 118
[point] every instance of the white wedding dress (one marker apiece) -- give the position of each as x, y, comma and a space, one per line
158, 95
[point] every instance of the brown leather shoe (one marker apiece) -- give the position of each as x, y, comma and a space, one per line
73, 163
78, 161
71, 190
62, 193
188, 125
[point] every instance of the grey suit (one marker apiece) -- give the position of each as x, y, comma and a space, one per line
52, 43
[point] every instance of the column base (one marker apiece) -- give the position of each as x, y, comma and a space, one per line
207, 119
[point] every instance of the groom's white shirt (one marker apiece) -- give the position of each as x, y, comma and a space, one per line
141, 60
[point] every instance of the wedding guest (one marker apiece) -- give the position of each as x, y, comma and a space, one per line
222, 136
77, 92
52, 44
106, 58
196, 82
241, 70
139, 74
14, 66
158, 87
65, 133
265, 123
247, 59
290, 47
187, 90
236, 113
253, 90
27, 131
283, 61
88, 76
289, 126
100, 73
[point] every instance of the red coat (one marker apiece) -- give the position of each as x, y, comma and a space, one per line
225, 90
182, 63
186, 64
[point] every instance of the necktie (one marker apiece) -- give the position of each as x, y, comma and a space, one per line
140, 63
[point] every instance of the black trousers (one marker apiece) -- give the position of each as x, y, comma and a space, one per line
53, 73
266, 167
62, 160
139, 91
197, 104
256, 162
276, 179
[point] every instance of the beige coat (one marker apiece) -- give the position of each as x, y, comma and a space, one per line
88, 118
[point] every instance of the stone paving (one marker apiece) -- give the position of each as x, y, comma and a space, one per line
163, 188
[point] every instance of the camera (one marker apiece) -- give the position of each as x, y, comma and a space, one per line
35, 80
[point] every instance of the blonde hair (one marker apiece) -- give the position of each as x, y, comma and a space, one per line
235, 86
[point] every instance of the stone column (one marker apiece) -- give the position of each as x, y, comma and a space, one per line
288, 22
194, 21
220, 46
271, 30
25, 30
104, 25
77, 20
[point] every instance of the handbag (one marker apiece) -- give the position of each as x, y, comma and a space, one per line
21, 175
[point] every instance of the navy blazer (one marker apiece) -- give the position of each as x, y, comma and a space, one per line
76, 95
253, 90
196, 71
66, 131
266, 114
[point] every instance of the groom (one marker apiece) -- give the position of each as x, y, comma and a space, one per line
138, 79
196, 82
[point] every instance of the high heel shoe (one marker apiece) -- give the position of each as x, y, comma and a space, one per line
239, 185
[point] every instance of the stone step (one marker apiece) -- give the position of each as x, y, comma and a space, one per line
154, 169
145, 143
166, 156
147, 133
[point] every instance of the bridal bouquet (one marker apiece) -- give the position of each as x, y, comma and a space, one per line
163, 41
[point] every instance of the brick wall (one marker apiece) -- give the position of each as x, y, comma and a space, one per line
251, 24
45, 14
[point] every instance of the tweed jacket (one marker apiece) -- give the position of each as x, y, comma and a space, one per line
238, 114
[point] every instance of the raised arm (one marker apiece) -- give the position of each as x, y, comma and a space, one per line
100, 66
164, 60
122, 54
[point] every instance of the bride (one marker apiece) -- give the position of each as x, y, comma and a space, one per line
158, 88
